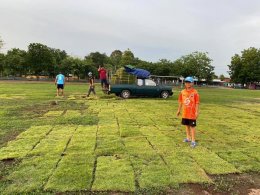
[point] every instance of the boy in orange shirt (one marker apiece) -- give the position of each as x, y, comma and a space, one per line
189, 103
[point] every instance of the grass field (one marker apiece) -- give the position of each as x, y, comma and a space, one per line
74, 144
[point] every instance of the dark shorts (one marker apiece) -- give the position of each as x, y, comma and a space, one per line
189, 122
104, 81
60, 86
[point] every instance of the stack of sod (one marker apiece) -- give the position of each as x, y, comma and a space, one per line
122, 77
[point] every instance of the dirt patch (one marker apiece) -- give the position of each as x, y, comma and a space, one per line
246, 183
8, 161
8, 137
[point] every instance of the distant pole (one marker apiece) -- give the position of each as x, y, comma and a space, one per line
182, 78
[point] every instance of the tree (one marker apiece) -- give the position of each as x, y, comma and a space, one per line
1, 43
15, 62
221, 77
59, 56
245, 68
196, 64
163, 68
115, 58
97, 58
2, 60
40, 58
127, 58
77, 66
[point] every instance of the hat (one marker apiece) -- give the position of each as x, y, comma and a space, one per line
189, 79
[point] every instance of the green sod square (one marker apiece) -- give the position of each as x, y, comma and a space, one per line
142, 121
150, 131
55, 142
31, 174
163, 144
86, 131
24, 143
240, 160
113, 174
74, 172
211, 162
35, 131
154, 174
129, 130
184, 169
107, 120
72, 113
107, 130
109, 146
83, 146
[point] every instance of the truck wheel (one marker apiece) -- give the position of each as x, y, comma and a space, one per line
164, 94
125, 94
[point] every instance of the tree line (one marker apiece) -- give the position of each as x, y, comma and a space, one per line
39, 59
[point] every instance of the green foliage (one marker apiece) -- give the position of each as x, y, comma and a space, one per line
1, 43
222, 77
40, 58
15, 62
115, 58
127, 58
97, 58
75, 66
2, 61
245, 68
196, 64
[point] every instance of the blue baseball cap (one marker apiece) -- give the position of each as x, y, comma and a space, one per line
189, 79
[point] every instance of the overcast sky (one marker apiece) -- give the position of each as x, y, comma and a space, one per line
151, 29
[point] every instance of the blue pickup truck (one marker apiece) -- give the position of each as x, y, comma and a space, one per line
142, 87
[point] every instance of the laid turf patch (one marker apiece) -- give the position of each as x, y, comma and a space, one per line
113, 174
83, 141
107, 146
151, 170
30, 175
129, 130
73, 173
213, 164
107, 130
152, 174
240, 160
72, 113
24, 142
35, 170
55, 142
184, 169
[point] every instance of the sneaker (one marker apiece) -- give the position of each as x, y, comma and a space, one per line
186, 140
193, 144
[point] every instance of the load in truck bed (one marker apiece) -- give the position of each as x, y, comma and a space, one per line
128, 75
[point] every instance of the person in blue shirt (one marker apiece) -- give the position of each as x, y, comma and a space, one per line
60, 83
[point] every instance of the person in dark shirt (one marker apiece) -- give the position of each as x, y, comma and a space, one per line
91, 84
